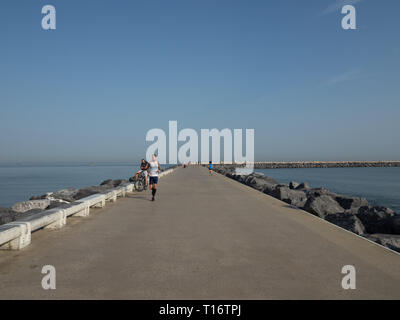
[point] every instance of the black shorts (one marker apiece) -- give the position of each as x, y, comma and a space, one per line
153, 180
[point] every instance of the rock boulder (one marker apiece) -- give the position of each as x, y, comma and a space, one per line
25, 206
322, 206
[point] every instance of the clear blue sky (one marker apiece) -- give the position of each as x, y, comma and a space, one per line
112, 70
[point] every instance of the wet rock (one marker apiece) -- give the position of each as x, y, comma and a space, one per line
377, 219
25, 206
347, 221
322, 206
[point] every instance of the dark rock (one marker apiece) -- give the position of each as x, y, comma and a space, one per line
293, 184
317, 192
376, 219
108, 181
349, 203
260, 183
322, 206
388, 240
44, 196
303, 185
347, 221
269, 188
7, 215
296, 198
88, 191
241, 178
270, 180
258, 174
65, 194
113, 183
395, 224
117, 183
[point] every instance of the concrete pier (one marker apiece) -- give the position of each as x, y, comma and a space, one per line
205, 237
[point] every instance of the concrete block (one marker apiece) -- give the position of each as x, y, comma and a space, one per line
23, 232
121, 192
60, 220
82, 210
111, 196
130, 187
95, 201
53, 219
100, 204
79, 209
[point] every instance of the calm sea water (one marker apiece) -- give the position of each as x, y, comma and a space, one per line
381, 186
19, 183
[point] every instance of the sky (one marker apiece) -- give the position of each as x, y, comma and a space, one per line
112, 70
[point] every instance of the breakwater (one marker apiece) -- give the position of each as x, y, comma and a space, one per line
325, 164
376, 223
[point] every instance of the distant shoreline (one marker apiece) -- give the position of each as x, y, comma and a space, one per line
257, 165
325, 164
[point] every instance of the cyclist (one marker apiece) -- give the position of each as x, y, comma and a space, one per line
144, 166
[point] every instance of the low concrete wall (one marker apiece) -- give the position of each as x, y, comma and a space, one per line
17, 235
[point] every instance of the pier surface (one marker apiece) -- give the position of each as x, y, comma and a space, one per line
205, 237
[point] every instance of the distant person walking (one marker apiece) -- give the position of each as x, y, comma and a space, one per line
154, 170
210, 167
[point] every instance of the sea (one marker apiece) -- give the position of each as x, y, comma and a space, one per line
20, 182
381, 186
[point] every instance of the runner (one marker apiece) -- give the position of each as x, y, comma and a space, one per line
210, 167
154, 170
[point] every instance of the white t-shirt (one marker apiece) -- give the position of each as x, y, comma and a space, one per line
153, 168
